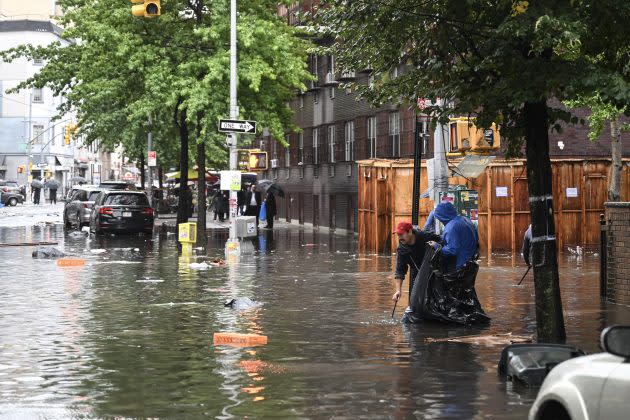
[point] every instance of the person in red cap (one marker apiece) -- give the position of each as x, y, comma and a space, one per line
410, 253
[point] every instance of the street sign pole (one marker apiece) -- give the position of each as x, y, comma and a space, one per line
149, 149
232, 243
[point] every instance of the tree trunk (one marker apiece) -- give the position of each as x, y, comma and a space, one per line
183, 204
614, 187
160, 172
201, 193
142, 174
549, 318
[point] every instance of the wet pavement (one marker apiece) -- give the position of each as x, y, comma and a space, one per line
130, 334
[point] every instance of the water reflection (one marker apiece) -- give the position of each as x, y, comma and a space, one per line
130, 333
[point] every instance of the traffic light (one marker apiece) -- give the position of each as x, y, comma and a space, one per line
148, 8
257, 161
68, 135
465, 136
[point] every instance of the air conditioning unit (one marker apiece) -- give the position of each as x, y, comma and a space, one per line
274, 163
330, 80
347, 76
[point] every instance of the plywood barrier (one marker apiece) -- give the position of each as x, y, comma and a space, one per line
579, 189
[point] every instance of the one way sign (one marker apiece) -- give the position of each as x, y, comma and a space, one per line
237, 126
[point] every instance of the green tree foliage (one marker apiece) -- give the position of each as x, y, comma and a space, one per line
503, 61
120, 69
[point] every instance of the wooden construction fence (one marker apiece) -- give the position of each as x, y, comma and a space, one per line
579, 190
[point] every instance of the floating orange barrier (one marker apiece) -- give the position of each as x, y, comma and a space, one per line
239, 340
70, 262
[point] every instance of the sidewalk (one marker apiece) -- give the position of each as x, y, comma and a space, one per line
170, 220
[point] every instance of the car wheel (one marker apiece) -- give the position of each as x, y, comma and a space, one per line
554, 411
13, 202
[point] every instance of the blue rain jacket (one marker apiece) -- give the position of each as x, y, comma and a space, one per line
460, 238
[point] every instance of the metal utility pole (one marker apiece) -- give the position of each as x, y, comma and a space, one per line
231, 138
149, 149
440, 173
417, 161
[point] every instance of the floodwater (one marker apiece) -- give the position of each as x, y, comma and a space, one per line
130, 334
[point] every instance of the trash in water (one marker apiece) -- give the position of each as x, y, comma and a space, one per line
199, 266
486, 339
70, 262
241, 304
239, 340
218, 262
149, 281
47, 252
98, 251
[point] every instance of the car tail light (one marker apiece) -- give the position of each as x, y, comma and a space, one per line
147, 211
5, 189
105, 210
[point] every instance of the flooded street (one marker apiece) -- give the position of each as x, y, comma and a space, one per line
130, 333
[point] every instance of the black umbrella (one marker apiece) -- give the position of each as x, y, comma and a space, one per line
37, 184
270, 186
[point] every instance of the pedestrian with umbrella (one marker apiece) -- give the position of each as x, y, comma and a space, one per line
37, 186
253, 201
270, 186
52, 186
270, 204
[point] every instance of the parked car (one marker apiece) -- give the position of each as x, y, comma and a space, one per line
119, 211
75, 188
11, 198
589, 387
12, 186
117, 185
77, 210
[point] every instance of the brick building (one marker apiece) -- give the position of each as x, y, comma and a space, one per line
318, 170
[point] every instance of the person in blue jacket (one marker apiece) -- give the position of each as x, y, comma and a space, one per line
460, 241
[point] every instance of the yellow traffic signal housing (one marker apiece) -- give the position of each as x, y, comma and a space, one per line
257, 161
148, 8
466, 137
68, 135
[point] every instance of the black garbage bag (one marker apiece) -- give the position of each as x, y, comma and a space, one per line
449, 297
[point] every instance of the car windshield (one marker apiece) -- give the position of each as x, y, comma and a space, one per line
93, 195
126, 200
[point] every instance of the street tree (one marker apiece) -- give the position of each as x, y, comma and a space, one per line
502, 61
120, 70
602, 114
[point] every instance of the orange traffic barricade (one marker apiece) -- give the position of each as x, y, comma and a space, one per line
239, 340
70, 262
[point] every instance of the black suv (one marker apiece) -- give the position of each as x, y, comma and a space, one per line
117, 185
121, 211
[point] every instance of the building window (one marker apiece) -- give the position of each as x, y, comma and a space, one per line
371, 137
316, 96
330, 65
316, 146
38, 95
349, 137
287, 157
37, 61
394, 133
331, 143
332, 93
274, 149
301, 101
370, 80
300, 148
38, 134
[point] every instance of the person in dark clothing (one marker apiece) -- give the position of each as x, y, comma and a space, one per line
241, 198
527, 246
410, 254
224, 210
216, 205
460, 240
253, 201
270, 204
37, 189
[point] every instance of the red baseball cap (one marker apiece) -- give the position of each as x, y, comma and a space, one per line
403, 227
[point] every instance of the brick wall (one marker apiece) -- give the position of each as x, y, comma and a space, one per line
618, 253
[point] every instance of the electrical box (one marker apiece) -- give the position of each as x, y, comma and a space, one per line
245, 226
187, 233
465, 201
